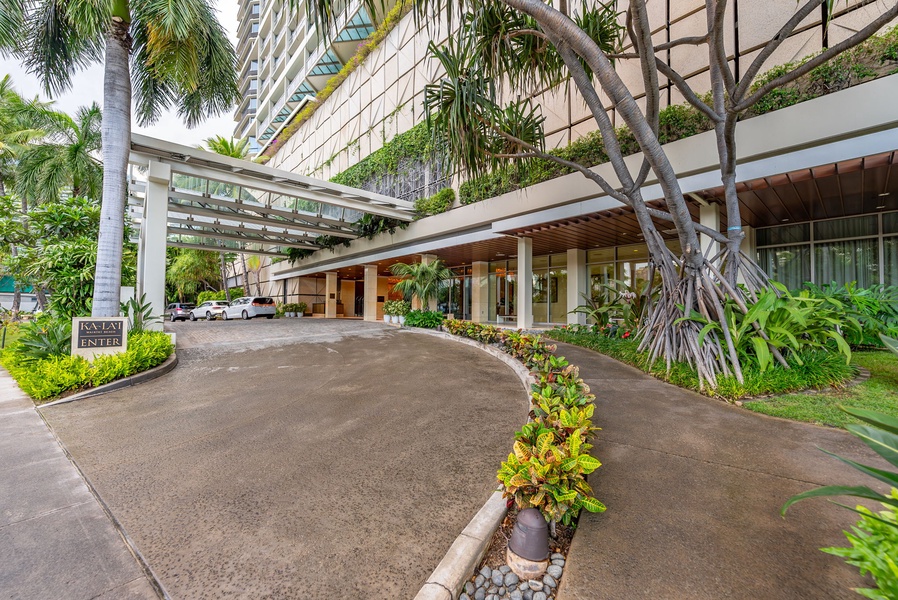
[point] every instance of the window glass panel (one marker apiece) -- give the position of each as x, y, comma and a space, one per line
890, 266
512, 265
786, 234
600, 255
495, 295
540, 262
844, 262
558, 260
846, 228
558, 295
636, 251
791, 265
890, 222
541, 297
599, 276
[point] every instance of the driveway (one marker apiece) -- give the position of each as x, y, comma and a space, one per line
299, 458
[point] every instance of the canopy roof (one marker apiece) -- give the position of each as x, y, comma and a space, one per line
218, 202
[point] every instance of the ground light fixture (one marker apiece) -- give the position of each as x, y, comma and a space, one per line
528, 546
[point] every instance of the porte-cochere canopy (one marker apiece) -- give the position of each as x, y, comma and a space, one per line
217, 202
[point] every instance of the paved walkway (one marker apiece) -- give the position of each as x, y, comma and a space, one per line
56, 541
694, 487
299, 459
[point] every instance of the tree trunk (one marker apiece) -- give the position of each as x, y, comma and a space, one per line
224, 276
116, 136
41, 297
245, 275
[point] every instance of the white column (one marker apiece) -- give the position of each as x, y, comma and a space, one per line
525, 283
709, 216
370, 292
330, 295
576, 284
480, 291
153, 238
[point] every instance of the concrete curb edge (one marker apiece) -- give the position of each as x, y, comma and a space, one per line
158, 371
468, 549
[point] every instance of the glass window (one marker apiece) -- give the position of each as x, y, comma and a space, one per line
253, 65
253, 84
790, 265
785, 234
558, 295
890, 222
253, 103
558, 260
254, 9
541, 297
890, 265
634, 252
844, 262
600, 255
254, 28
846, 228
600, 276
540, 262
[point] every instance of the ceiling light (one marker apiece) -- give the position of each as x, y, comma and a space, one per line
881, 206
884, 194
785, 220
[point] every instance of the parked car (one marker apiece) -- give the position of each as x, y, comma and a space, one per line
178, 311
208, 310
249, 307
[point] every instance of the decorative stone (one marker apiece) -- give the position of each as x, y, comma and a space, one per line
525, 585
516, 595
497, 578
528, 594
480, 594
523, 568
486, 572
549, 581
539, 596
492, 597
557, 556
479, 581
464, 596
558, 561
554, 570
504, 569
536, 586
469, 588
511, 579
502, 591
492, 589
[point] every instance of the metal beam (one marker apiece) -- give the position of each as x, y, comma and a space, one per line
238, 238
225, 249
227, 227
211, 212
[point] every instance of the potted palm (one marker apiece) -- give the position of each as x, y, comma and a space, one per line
422, 280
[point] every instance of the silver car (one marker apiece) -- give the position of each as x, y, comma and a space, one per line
249, 307
208, 310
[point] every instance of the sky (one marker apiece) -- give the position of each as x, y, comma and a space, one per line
88, 87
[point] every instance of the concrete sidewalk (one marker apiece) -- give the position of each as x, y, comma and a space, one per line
56, 540
694, 487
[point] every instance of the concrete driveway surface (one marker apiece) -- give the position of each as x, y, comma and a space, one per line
694, 488
299, 459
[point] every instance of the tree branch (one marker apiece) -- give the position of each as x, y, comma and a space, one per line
691, 97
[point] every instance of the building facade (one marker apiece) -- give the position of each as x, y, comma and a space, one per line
818, 198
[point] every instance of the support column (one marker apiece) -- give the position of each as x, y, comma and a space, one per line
480, 291
153, 238
577, 284
330, 295
709, 216
370, 292
525, 283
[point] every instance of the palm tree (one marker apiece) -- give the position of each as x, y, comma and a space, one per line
180, 56
228, 146
64, 160
17, 130
421, 280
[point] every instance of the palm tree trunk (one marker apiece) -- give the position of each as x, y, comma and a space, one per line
245, 275
116, 136
224, 276
41, 297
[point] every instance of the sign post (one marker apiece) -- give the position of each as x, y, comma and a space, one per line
99, 335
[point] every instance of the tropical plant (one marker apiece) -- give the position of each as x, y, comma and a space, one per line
428, 319
874, 308
228, 146
890, 343
140, 314
180, 55
44, 339
421, 280
190, 270
874, 550
396, 308
300, 308
781, 324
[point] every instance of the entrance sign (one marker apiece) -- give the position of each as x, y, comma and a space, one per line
99, 335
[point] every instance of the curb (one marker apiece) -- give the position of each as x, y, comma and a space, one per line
471, 545
158, 371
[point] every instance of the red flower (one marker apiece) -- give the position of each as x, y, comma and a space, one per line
626, 335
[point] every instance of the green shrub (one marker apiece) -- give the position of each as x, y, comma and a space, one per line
436, 204
51, 376
875, 309
45, 338
429, 319
874, 550
236, 292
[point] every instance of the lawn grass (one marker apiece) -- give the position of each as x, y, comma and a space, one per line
879, 393
13, 333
